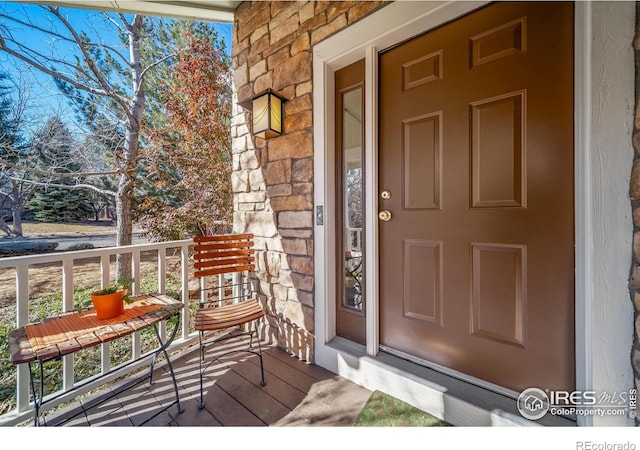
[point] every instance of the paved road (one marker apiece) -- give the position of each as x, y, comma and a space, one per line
34, 245
107, 240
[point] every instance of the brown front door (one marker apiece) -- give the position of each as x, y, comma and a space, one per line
476, 152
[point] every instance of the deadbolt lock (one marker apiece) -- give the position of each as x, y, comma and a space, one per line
386, 195
384, 215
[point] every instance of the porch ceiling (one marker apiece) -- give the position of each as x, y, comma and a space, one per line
214, 10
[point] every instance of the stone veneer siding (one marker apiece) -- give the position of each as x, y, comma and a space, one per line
273, 179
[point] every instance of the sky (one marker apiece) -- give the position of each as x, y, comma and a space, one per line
45, 98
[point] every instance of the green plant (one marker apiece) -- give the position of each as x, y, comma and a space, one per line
122, 283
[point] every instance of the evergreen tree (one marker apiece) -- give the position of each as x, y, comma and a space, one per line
7, 128
53, 147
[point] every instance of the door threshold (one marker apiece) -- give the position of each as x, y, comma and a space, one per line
447, 397
454, 373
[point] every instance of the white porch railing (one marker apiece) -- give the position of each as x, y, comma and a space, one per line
24, 264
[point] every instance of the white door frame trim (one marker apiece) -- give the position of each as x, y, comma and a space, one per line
403, 20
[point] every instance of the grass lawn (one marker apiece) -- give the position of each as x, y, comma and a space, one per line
382, 410
36, 229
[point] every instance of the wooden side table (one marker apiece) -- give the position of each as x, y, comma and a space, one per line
54, 337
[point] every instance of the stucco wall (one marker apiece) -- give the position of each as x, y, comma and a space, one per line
604, 218
634, 194
273, 179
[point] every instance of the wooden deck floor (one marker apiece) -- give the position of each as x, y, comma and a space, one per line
296, 394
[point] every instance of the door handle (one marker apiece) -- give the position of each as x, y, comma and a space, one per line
384, 215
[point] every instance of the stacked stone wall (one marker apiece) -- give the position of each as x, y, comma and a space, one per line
273, 179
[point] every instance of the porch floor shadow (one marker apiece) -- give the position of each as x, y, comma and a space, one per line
296, 394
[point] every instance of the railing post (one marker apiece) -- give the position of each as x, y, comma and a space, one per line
220, 289
203, 290
135, 338
105, 357
162, 270
67, 305
104, 271
184, 258
162, 284
67, 285
238, 292
22, 318
22, 295
135, 262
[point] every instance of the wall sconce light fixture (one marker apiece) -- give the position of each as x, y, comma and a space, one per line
267, 114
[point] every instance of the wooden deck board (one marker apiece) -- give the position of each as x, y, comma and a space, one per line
267, 408
278, 388
295, 376
227, 410
192, 416
296, 394
329, 400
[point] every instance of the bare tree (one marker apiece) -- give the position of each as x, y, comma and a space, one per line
86, 72
14, 190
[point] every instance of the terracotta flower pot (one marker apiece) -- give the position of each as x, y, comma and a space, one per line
108, 305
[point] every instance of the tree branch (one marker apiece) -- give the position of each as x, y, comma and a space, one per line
53, 73
56, 174
158, 62
91, 62
114, 23
70, 186
35, 27
66, 38
37, 56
